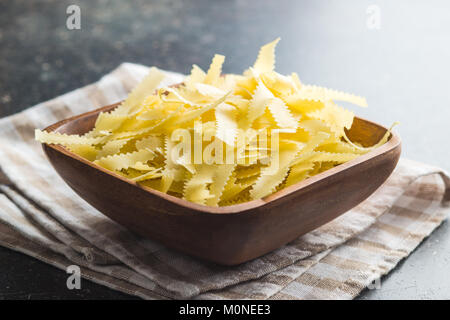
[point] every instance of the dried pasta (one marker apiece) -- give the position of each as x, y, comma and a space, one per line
219, 140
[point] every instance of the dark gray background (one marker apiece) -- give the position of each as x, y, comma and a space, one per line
402, 69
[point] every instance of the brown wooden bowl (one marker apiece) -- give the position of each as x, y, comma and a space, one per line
233, 234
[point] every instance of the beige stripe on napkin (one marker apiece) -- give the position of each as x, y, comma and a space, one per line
42, 217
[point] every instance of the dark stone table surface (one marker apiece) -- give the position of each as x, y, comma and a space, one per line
400, 62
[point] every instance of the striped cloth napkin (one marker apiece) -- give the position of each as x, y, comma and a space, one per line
42, 217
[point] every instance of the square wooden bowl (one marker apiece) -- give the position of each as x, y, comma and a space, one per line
234, 234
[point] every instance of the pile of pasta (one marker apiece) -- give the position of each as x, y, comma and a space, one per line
138, 139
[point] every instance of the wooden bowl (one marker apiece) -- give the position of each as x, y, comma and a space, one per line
234, 234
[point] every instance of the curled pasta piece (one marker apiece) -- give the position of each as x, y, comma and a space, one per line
123, 161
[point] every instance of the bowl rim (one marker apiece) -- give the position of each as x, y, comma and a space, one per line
393, 143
